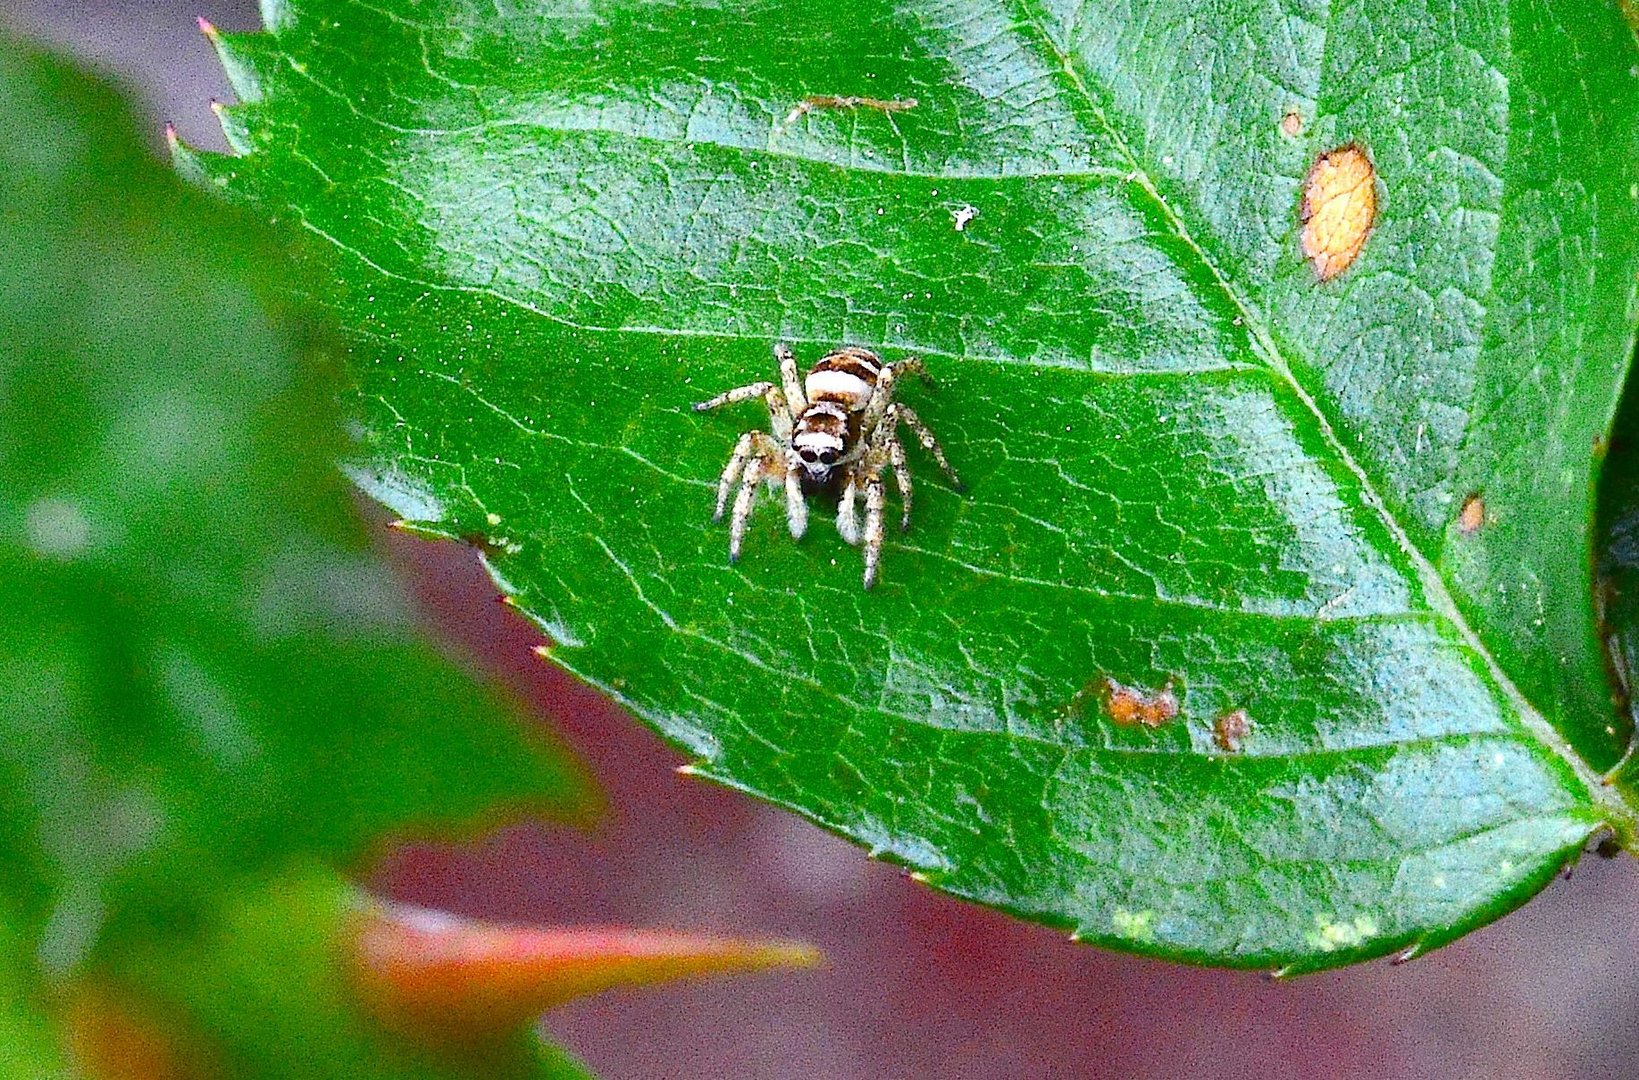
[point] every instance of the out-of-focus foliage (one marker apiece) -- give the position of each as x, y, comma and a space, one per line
206, 678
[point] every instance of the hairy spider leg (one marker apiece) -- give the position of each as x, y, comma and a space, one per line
739, 393
876, 407
791, 379
743, 504
876, 502
758, 446
902, 414
847, 513
781, 416
901, 474
753, 446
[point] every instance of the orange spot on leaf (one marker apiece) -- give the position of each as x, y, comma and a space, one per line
1339, 208
1292, 123
1472, 515
454, 980
1130, 706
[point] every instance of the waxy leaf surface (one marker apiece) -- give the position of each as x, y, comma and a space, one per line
1356, 510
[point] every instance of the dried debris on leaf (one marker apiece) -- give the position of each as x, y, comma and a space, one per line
836, 101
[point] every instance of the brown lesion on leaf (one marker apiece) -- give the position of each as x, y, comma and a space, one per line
1472, 514
1339, 209
1230, 729
840, 101
1134, 706
1292, 123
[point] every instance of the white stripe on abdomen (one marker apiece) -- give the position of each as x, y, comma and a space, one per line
841, 385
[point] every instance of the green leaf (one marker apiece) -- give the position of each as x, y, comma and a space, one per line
1189, 461
204, 671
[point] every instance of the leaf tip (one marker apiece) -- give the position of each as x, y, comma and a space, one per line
208, 28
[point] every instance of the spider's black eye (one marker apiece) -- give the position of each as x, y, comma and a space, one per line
828, 457
806, 455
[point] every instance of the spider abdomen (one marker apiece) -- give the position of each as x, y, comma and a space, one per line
846, 376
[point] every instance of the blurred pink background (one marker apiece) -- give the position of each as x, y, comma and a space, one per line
916, 985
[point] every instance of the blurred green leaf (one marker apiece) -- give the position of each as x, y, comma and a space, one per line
28, 1050
272, 976
204, 671
1356, 511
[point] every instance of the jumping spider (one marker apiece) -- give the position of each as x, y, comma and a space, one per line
837, 427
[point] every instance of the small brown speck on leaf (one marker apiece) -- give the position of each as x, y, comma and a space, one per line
1230, 729
1292, 123
1472, 515
1131, 706
1339, 208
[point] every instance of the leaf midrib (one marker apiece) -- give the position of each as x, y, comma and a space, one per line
1620, 809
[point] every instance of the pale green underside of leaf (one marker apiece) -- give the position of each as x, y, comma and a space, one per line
554, 229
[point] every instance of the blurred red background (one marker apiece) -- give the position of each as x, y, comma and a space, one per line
916, 985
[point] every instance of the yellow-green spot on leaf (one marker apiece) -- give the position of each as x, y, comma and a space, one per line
1330, 935
1134, 925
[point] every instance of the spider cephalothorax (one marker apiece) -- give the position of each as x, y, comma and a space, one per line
839, 424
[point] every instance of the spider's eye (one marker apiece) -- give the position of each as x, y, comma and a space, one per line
828, 457
807, 455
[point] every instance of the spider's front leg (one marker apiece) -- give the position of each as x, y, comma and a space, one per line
782, 414
848, 507
757, 456
764, 460
866, 475
790, 379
